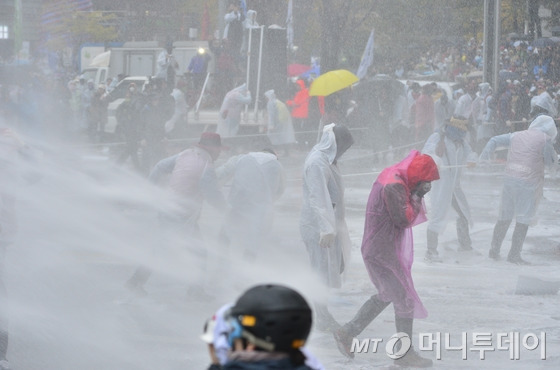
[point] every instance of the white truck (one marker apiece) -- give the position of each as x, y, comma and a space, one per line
140, 59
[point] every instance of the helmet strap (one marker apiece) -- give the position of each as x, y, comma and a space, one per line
238, 332
258, 341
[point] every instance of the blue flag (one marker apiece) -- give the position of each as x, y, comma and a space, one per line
367, 58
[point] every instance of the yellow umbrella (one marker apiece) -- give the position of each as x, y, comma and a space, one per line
332, 82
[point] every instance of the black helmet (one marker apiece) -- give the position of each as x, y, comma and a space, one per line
273, 317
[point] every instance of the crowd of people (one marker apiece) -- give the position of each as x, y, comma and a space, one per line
451, 131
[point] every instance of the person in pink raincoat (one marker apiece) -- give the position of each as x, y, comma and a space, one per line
395, 205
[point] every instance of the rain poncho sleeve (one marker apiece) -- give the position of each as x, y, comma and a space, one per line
401, 208
226, 171
320, 200
500, 141
162, 169
550, 155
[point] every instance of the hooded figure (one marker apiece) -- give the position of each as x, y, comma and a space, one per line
543, 104
443, 110
280, 129
394, 206
178, 121
191, 178
322, 222
479, 105
529, 152
451, 151
249, 23
166, 65
230, 111
257, 182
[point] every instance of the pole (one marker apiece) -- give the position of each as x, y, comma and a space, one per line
248, 68
259, 74
497, 7
485, 52
249, 55
202, 92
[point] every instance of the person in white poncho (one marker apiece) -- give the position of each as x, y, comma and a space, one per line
230, 111
451, 151
529, 152
258, 180
280, 129
322, 223
178, 122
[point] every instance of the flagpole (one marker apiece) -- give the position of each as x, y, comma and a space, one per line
367, 58
248, 69
259, 74
290, 26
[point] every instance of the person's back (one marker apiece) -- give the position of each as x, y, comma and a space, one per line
189, 167
525, 156
300, 103
258, 181
128, 118
196, 65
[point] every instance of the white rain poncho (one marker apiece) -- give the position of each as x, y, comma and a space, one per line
463, 108
258, 181
191, 176
280, 129
455, 155
443, 110
163, 62
479, 105
545, 101
529, 152
230, 111
323, 210
180, 113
